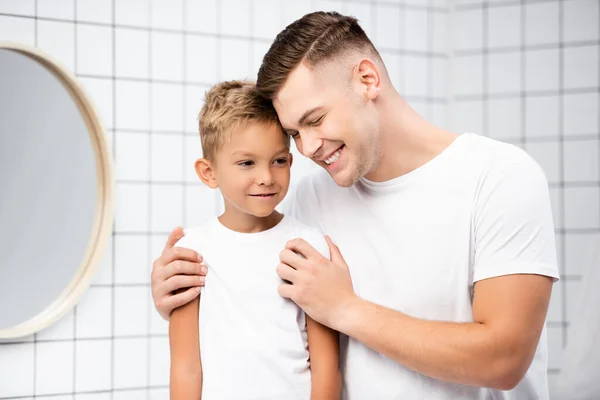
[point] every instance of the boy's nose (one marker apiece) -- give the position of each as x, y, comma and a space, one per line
265, 178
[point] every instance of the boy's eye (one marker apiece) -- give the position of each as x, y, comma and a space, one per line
247, 163
281, 161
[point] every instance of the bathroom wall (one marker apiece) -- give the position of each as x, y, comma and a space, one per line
527, 72
146, 65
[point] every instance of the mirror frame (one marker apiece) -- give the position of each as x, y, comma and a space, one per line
104, 209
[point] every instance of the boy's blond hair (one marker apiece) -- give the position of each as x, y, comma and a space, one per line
228, 106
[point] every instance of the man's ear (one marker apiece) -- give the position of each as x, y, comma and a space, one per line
206, 173
368, 76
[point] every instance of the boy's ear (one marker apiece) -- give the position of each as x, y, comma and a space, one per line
291, 159
206, 173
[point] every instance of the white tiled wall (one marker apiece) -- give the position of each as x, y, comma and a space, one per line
527, 72
146, 65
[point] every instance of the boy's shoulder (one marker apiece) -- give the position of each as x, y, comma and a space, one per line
197, 234
309, 233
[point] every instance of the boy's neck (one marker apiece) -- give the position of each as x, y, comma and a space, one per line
239, 221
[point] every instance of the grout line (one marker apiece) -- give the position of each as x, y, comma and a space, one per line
485, 16
113, 238
149, 189
523, 77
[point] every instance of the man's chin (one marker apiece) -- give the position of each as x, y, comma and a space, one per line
343, 178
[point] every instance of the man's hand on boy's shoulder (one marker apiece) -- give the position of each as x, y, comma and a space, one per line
176, 268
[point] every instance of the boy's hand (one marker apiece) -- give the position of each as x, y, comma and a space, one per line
177, 268
321, 287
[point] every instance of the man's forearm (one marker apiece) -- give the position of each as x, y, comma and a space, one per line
465, 353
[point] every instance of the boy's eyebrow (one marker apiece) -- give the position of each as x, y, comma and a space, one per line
307, 113
250, 154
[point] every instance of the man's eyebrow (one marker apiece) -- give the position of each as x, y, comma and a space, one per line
307, 113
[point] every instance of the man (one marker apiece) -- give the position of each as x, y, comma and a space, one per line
444, 260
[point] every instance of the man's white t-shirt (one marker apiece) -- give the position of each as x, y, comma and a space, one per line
253, 342
418, 243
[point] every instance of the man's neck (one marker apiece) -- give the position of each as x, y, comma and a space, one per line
408, 140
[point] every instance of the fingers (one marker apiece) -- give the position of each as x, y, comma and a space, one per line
292, 259
168, 304
178, 282
178, 254
286, 290
287, 273
301, 246
175, 235
334, 252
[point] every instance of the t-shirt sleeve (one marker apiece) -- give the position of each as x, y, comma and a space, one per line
513, 227
316, 239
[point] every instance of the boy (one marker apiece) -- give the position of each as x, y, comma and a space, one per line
240, 339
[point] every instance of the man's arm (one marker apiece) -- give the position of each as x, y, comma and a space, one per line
323, 347
186, 367
494, 351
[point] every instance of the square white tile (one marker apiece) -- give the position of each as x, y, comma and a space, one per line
504, 26
167, 107
201, 204
58, 40
131, 259
95, 11
132, 48
329, 5
15, 29
93, 365
132, 156
166, 14
416, 30
467, 29
133, 105
467, 75
504, 118
294, 10
132, 207
439, 85
132, 12
54, 367
541, 68
580, 114
542, 116
547, 154
62, 329
58, 9
104, 274
581, 161
581, 250
106, 395
234, 17
131, 310
93, 314
194, 99
200, 55
555, 346
573, 292
16, 364
131, 363
504, 73
100, 93
94, 50
468, 116
557, 210
167, 56
167, 157
582, 208
581, 67
159, 361
441, 38
201, 16
167, 207
23, 7
362, 12
192, 152
541, 23
158, 394
234, 59
259, 49
132, 394
580, 21
415, 76
387, 32
266, 18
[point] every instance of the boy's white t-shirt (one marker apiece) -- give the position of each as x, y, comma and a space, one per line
417, 244
253, 342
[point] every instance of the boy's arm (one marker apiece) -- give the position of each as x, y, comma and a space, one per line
323, 348
186, 367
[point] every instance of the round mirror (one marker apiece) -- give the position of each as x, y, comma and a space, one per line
56, 184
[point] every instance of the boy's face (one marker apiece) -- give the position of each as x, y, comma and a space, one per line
253, 169
332, 120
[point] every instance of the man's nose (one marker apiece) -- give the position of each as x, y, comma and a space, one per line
310, 145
